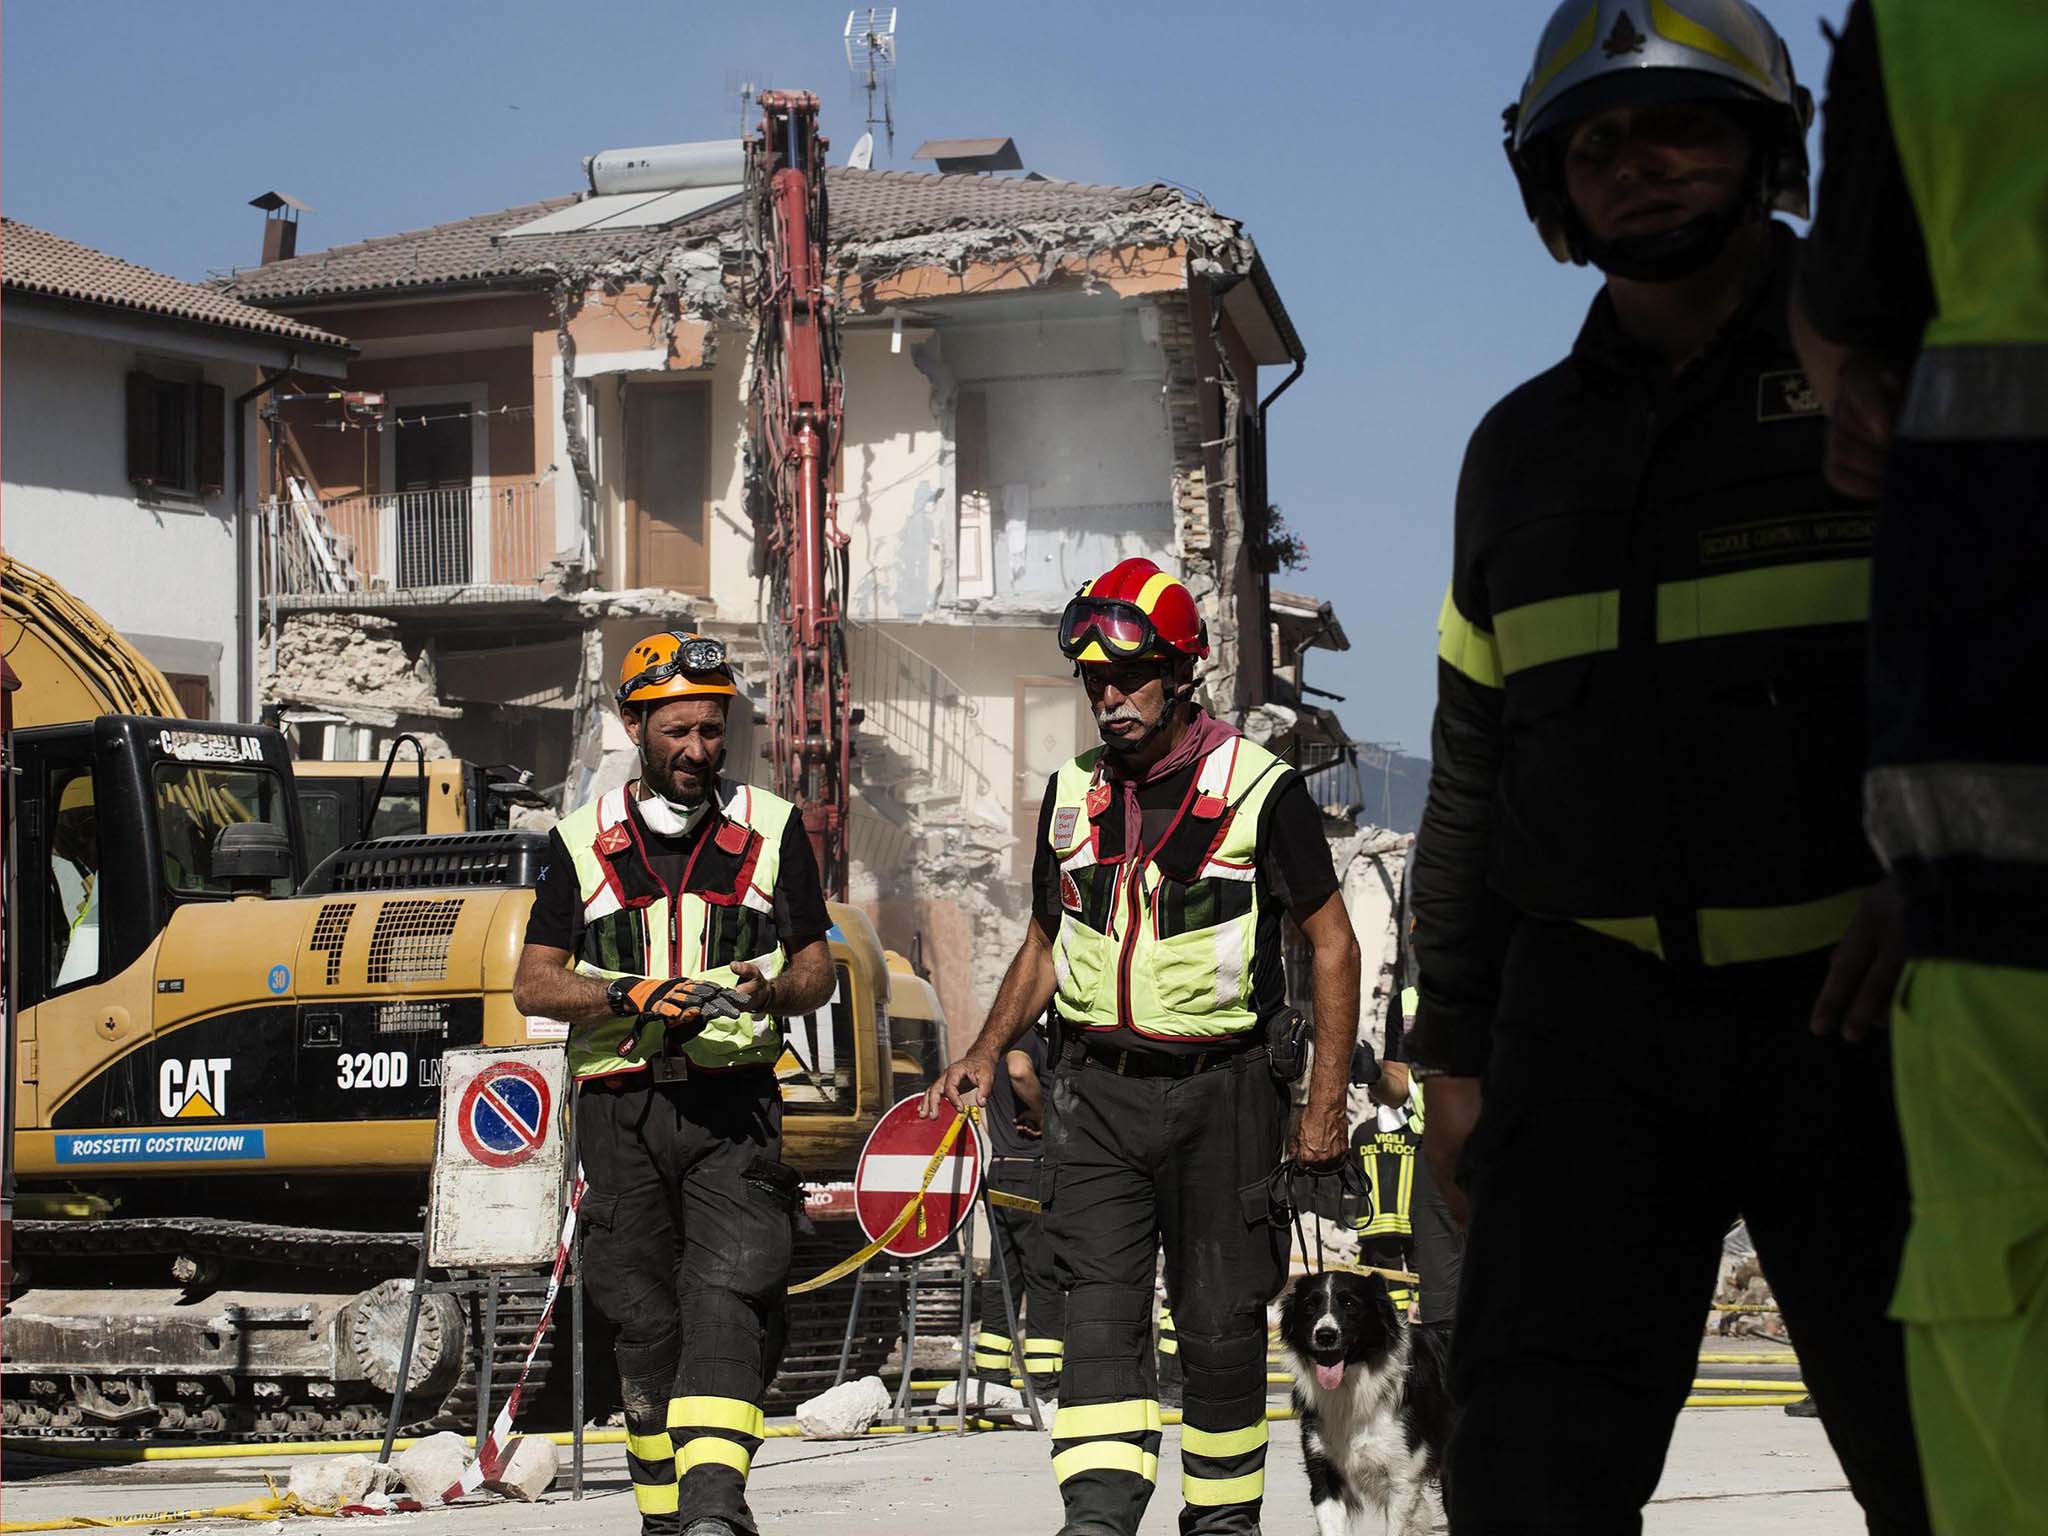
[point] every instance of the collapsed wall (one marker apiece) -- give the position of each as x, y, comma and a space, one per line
354, 666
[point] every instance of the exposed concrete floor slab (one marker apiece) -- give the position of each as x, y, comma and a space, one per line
1740, 1470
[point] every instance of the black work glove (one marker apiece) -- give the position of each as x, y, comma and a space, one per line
1365, 1066
1335, 1191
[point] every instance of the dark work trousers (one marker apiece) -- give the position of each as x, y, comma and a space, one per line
1026, 1257
1695, 1097
688, 1221
1438, 1250
1134, 1163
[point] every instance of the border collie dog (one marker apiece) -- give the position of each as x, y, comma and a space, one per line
1374, 1405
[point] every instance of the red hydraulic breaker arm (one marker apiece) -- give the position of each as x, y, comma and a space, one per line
796, 409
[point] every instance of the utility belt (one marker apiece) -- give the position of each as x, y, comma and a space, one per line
1280, 1046
665, 1071
1132, 1063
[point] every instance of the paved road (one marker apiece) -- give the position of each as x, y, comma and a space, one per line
1750, 1471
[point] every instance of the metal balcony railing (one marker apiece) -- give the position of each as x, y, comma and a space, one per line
407, 540
923, 716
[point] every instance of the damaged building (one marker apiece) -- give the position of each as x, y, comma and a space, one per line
540, 451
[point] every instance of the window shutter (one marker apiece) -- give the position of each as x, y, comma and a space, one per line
142, 445
212, 439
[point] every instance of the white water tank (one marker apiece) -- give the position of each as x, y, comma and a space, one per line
668, 167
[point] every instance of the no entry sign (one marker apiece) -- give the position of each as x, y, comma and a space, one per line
498, 1157
892, 1166
504, 1117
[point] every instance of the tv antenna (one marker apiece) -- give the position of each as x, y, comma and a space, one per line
747, 85
871, 55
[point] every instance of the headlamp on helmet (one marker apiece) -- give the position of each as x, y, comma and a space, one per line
673, 665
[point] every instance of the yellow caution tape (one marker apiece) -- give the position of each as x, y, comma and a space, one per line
915, 1207
1015, 1202
1372, 1269
269, 1507
1746, 1384
1742, 1306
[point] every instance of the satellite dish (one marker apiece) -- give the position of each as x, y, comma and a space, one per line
863, 154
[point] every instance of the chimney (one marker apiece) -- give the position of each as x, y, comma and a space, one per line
971, 157
280, 226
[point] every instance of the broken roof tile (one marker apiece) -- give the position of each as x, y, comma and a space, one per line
870, 209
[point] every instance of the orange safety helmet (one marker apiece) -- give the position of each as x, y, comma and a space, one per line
1132, 610
674, 666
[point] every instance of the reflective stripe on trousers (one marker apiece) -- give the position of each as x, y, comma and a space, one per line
992, 1352
714, 1432
651, 1463
1107, 1437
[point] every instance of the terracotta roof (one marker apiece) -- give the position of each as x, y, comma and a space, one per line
868, 208
35, 261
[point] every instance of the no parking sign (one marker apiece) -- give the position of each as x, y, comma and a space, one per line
498, 1155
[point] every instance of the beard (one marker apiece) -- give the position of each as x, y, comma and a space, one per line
677, 791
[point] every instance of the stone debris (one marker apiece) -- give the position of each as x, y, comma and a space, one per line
845, 1410
1743, 1301
339, 1480
430, 1467
355, 657
1000, 1404
529, 1470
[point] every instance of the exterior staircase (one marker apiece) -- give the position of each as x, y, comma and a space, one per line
924, 765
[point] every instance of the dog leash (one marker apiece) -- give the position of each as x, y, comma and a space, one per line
1280, 1194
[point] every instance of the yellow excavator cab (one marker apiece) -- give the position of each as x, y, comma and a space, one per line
917, 1022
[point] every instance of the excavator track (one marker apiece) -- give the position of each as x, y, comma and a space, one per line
210, 1254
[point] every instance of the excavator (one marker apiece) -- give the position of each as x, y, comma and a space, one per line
225, 1056
226, 1073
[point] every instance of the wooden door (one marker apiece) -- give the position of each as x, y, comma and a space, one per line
668, 454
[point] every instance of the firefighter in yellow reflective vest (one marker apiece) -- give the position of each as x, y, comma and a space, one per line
678, 919
1166, 860
1924, 301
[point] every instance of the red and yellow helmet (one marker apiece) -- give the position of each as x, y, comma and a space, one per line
1131, 611
674, 666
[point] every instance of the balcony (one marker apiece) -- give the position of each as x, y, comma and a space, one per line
408, 547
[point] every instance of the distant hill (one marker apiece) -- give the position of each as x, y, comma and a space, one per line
1390, 787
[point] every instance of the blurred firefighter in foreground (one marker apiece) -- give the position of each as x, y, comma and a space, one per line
1641, 883
678, 919
1166, 860
1924, 302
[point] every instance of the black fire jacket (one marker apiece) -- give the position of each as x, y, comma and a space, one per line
1650, 679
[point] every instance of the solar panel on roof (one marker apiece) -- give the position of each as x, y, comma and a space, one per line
588, 214
668, 207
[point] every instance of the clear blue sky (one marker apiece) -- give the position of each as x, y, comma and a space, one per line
1358, 141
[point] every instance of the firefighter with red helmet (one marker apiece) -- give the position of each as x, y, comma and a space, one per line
678, 920
1167, 859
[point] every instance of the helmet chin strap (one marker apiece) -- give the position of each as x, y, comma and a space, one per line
1667, 257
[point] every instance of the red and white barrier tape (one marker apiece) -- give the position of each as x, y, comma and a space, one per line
490, 1454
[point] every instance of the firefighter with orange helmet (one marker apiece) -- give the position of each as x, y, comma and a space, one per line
1167, 858
678, 920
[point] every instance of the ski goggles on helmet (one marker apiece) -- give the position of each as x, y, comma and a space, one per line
1120, 631
694, 655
